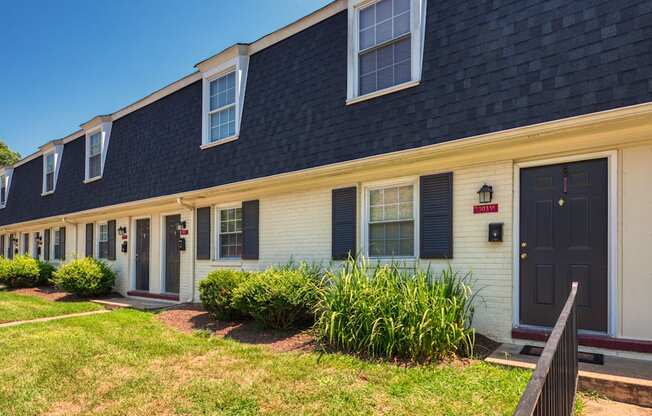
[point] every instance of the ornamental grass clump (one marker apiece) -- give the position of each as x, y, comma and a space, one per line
389, 312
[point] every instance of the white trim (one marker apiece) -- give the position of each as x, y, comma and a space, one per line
240, 66
612, 231
57, 152
132, 251
364, 216
418, 10
219, 142
163, 254
104, 128
218, 217
8, 173
382, 92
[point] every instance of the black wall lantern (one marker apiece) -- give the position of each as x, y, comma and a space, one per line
122, 231
485, 194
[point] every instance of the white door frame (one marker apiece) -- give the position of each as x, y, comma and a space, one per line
132, 250
612, 231
163, 256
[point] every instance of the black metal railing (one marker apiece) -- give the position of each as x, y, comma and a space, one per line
552, 388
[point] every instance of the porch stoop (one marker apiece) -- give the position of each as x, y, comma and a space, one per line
623, 380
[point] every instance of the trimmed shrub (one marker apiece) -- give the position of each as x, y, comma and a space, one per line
216, 293
279, 298
388, 312
85, 277
22, 271
46, 272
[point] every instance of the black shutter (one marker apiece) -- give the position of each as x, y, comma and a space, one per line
62, 243
2, 246
46, 245
111, 242
344, 223
250, 213
436, 212
89, 240
203, 233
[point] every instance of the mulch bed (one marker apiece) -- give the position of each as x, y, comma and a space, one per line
189, 318
48, 293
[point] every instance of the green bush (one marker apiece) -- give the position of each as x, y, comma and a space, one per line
388, 312
216, 293
46, 272
85, 277
22, 271
279, 298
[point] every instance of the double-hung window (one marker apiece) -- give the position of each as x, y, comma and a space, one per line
49, 172
391, 221
57, 244
385, 46
384, 53
103, 241
95, 155
222, 107
230, 233
3, 190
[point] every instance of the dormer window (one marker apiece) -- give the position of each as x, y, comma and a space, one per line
49, 173
224, 81
385, 46
5, 184
98, 133
221, 112
52, 154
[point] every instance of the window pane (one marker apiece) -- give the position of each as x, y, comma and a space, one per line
95, 166
376, 197
406, 211
368, 84
230, 238
391, 195
384, 32
391, 231
368, 63
383, 10
49, 182
405, 194
391, 212
401, 24
96, 144
367, 17
50, 163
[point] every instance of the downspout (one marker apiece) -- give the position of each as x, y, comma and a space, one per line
191, 208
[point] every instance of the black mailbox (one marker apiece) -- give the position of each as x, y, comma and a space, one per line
496, 232
124, 246
182, 244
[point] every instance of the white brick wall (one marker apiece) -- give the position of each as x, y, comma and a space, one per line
297, 225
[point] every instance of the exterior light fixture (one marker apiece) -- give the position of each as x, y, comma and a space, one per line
485, 194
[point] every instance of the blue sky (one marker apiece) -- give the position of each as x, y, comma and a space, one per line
63, 62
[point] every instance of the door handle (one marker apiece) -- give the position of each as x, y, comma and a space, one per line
523, 256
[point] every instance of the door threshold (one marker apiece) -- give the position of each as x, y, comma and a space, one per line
162, 296
587, 340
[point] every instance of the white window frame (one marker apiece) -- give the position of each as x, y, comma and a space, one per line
239, 65
417, 35
366, 215
104, 129
99, 240
5, 177
56, 242
218, 225
57, 152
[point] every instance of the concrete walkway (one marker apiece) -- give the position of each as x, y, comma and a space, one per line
621, 379
53, 318
141, 304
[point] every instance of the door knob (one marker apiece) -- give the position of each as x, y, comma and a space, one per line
523, 256
523, 244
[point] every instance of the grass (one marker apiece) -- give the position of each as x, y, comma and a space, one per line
16, 307
127, 362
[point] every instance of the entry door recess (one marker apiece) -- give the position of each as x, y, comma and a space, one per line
142, 254
172, 254
563, 233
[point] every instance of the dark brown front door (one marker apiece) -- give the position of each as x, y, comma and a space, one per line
172, 254
142, 254
563, 232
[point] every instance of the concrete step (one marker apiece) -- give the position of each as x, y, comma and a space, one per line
620, 379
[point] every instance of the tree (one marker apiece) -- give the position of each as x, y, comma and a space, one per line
7, 156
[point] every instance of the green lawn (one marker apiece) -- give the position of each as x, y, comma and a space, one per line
127, 362
15, 307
